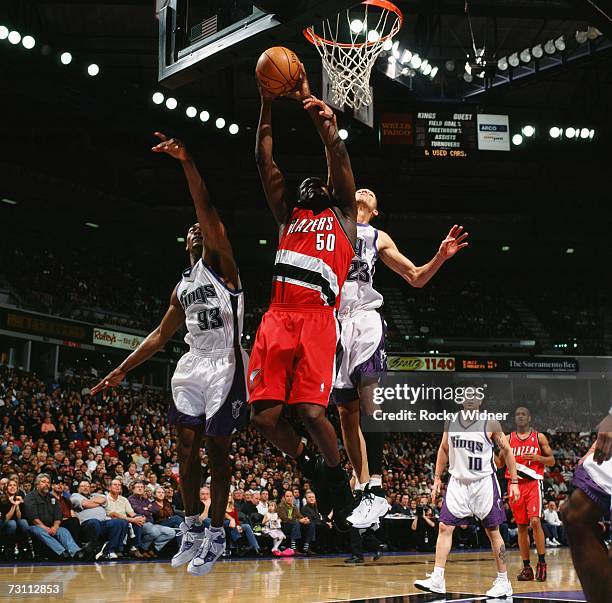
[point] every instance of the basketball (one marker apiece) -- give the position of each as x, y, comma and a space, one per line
278, 70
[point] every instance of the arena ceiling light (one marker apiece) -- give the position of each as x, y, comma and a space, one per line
584, 133
505, 248
525, 55
204, 116
234, 129
406, 57
581, 36
373, 36
158, 98
191, 112
514, 60
502, 64
9, 201
220, 123
560, 43
434, 72
28, 42
549, 47
570, 132
180, 239
171, 103
468, 78
570, 250
528, 131
92, 225
537, 51
93, 70
357, 26
343, 133
415, 61
517, 139
449, 65
4, 32
14, 37
593, 33
65, 58
555, 132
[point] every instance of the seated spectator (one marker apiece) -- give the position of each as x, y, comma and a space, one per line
249, 509
553, 523
205, 501
272, 528
237, 530
320, 528
61, 493
466, 535
166, 515
292, 521
154, 537
44, 519
403, 507
119, 507
263, 504
508, 529
95, 523
425, 529
13, 525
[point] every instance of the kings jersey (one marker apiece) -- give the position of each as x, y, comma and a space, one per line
312, 260
526, 469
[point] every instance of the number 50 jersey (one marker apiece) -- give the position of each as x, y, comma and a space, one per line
358, 292
214, 314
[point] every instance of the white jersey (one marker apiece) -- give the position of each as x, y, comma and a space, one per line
214, 314
470, 450
358, 292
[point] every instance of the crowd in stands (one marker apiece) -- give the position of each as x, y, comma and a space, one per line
84, 477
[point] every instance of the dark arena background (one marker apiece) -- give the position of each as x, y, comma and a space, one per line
490, 114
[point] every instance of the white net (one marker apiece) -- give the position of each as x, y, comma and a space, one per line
349, 46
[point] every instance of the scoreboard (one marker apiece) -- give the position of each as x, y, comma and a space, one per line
445, 134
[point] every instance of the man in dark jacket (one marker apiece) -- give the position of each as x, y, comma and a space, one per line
292, 522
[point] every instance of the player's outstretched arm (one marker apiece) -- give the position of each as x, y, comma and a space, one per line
217, 245
499, 437
272, 179
419, 276
154, 342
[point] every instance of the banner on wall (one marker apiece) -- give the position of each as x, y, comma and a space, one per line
493, 132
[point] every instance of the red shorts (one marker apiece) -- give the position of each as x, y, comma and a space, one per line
294, 355
530, 503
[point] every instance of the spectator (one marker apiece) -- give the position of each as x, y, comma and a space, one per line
154, 537
249, 509
272, 528
237, 530
61, 493
425, 529
95, 523
44, 518
166, 515
205, 501
13, 525
119, 507
320, 528
263, 504
403, 507
292, 521
554, 525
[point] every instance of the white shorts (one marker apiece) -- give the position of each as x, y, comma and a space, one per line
210, 388
362, 341
600, 474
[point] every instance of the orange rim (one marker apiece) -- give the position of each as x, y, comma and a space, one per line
317, 40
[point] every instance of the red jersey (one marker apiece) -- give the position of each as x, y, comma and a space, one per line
526, 470
312, 260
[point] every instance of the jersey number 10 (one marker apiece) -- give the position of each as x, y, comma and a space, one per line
474, 463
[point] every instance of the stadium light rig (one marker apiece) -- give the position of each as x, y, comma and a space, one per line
405, 62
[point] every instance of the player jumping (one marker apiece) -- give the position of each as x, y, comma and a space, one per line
293, 357
363, 346
472, 491
589, 503
208, 386
532, 453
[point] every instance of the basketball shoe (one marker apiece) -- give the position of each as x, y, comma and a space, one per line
501, 588
432, 584
210, 550
541, 572
191, 540
369, 510
526, 574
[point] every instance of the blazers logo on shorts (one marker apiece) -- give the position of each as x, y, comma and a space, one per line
236, 406
253, 377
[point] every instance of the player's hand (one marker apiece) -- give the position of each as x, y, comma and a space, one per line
453, 242
603, 444
435, 490
265, 94
115, 377
513, 492
302, 90
173, 147
325, 111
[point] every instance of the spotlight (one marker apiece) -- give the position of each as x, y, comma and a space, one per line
406, 57
388, 45
356, 26
581, 37
28, 42
66, 58
395, 47
434, 72
191, 112
93, 70
529, 131
171, 103
517, 139
525, 56
593, 33
591, 134
204, 116
505, 248
4, 32
427, 69
537, 51
373, 36
555, 132
416, 61
468, 78
570, 250
180, 239
234, 129
560, 43
220, 123
158, 98
513, 59
343, 134
14, 37
392, 60
405, 71
570, 132
549, 47
468, 68
584, 133
502, 64
450, 65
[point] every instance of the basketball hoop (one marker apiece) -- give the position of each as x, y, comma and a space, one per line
350, 48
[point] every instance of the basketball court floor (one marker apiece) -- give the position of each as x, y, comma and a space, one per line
294, 580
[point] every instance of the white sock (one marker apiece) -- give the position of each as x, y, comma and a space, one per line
359, 486
502, 575
375, 481
216, 529
192, 520
438, 572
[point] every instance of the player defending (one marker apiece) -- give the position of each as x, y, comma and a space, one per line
363, 346
531, 453
293, 358
472, 491
589, 502
209, 385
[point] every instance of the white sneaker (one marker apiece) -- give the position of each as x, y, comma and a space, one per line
549, 542
369, 510
501, 588
555, 542
112, 556
210, 550
433, 584
192, 538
